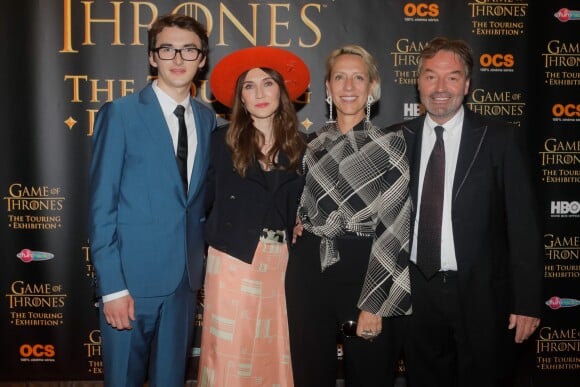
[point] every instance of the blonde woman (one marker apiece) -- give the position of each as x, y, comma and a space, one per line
348, 271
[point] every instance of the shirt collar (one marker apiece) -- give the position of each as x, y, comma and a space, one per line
167, 103
450, 126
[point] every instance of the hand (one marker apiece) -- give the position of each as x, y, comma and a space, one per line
369, 325
297, 230
525, 326
119, 311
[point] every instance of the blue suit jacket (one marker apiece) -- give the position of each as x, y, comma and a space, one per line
143, 231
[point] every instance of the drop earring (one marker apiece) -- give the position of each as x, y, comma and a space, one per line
329, 102
370, 100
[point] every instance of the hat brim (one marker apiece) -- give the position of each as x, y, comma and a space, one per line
226, 73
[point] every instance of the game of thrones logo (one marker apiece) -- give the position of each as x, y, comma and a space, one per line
560, 161
33, 304
562, 63
93, 348
562, 256
498, 17
405, 60
273, 20
558, 349
506, 105
27, 207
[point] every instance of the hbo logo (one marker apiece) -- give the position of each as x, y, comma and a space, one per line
563, 207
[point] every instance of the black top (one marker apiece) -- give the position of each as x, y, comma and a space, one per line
274, 219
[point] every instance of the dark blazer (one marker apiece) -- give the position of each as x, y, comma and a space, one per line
239, 206
144, 232
496, 230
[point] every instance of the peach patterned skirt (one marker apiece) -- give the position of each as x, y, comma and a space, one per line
244, 338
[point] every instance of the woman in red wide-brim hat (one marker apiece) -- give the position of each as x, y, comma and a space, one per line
253, 189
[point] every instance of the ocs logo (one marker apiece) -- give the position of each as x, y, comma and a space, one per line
568, 110
497, 60
421, 10
564, 207
37, 350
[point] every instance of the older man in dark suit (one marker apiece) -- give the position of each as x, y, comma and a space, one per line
476, 250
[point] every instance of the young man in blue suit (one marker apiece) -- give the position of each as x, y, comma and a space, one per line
146, 212
476, 276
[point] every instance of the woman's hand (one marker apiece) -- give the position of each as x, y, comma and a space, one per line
369, 325
297, 230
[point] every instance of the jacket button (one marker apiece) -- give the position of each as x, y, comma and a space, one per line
232, 197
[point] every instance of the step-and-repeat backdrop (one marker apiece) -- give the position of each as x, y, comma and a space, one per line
62, 59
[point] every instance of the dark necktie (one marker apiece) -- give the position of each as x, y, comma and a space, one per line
431, 212
182, 145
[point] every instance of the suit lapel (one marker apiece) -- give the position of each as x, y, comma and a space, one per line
201, 152
472, 136
413, 137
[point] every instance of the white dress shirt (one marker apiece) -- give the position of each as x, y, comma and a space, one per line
168, 105
451, 138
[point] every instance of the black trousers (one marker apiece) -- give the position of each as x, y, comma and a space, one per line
319, 302
438, 352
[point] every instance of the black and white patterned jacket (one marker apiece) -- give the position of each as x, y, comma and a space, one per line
358, 183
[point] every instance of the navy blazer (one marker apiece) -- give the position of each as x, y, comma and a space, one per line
144, 231
238, 206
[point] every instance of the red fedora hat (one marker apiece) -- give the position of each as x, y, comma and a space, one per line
225, 74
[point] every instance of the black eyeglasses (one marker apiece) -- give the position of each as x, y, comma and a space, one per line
169, 53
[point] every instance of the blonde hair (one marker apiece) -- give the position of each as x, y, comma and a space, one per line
369, 60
